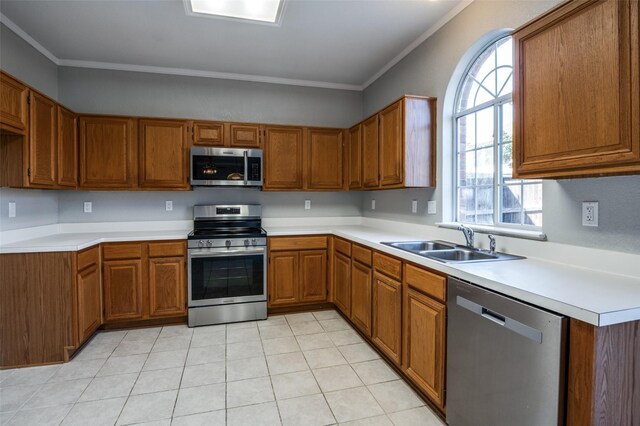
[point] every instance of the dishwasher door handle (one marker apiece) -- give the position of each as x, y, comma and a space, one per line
501, 320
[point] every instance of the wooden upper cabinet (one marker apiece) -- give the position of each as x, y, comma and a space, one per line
370, 157
355, 157
163, 153
208, 133
244, 135
323, 159
577, 91
108, 155
67, 147
313, 276
391, 146
13, 105
283, 158
43, 145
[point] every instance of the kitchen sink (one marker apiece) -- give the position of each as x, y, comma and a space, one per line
444, 251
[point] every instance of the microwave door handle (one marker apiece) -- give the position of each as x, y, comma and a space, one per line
246, 168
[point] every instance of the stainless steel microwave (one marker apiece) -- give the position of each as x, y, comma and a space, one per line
226, 167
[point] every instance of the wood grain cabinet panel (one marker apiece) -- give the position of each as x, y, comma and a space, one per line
323, 159
123, 280
89, 294
391, 145
370, 153
13, 105
387, 316
43, 141
424, 343
244, 135
576, 91
313, 276
108, 155
283, 277
361, 289
355, 157
342, 282
208, 133
67, 148
167, 286
164, 152
283, 158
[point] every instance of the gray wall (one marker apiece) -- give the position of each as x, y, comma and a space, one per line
434, 69
133, 93
33, 208
19, 59
139, 206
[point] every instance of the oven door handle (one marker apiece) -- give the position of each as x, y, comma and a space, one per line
211, 253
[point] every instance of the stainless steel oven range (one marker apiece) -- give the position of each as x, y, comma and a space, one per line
227, 262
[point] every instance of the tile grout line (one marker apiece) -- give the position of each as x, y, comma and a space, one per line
184, 366
273, 392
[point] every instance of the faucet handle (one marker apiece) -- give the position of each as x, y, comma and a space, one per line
492, 243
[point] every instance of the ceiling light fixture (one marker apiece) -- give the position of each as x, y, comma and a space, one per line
264, 11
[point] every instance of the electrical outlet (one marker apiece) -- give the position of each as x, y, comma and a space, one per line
373, 204
168, 205
414, 206
12, 209
431, 207
88, 207
590, 213
307, 204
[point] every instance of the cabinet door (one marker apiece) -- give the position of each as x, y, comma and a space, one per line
576, 88
355, 157
391, 145
122, 285
313, 276
244, 136
283, 278
107, 152
342, 282
387, 316
361, 282
283, 158
164, 150
208, 133
167, 286
13, 105
89, 301
370, 172
67, 148
43, 145
323, 152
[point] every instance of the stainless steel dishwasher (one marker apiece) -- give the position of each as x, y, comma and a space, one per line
505, 360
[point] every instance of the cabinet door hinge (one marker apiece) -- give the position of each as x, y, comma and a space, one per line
29, 171
28, 99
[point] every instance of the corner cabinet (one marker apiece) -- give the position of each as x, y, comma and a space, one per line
577, 91
13, 105
89, 293
43, 142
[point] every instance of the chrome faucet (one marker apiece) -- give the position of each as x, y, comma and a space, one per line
492, 244
468, 235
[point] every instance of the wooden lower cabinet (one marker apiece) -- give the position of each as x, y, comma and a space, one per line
313, 276
283, 276
88, 293
424, 343
122, 289
361, 282
342, 283
167, 286
387, 316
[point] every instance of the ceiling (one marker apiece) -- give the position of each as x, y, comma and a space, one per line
324, 43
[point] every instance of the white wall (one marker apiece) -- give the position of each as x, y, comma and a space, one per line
429, 69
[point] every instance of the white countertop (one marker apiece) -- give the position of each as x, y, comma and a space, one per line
596, 297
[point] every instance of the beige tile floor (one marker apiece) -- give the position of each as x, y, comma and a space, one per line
299, 369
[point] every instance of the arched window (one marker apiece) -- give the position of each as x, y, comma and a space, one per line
485, 192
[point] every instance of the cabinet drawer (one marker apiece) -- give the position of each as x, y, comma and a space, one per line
167, 249
361, 254
387, 265
426, 282
121, 251
343, 246
297, 243
88, 257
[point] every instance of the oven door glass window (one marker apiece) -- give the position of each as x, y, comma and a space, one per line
209, 167
238, 276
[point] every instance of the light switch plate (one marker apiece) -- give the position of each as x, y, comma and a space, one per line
373, 204
431, 207
12, 209
307, 204
168, 205
88, 207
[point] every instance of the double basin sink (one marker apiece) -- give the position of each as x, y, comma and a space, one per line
444, 251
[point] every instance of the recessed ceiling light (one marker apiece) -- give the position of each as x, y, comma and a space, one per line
254, 10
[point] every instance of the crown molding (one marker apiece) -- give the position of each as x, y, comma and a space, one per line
26, 37
417, 42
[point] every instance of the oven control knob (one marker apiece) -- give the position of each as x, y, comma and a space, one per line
209, 244
227, 243
201, 243
254, 242
246, 243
